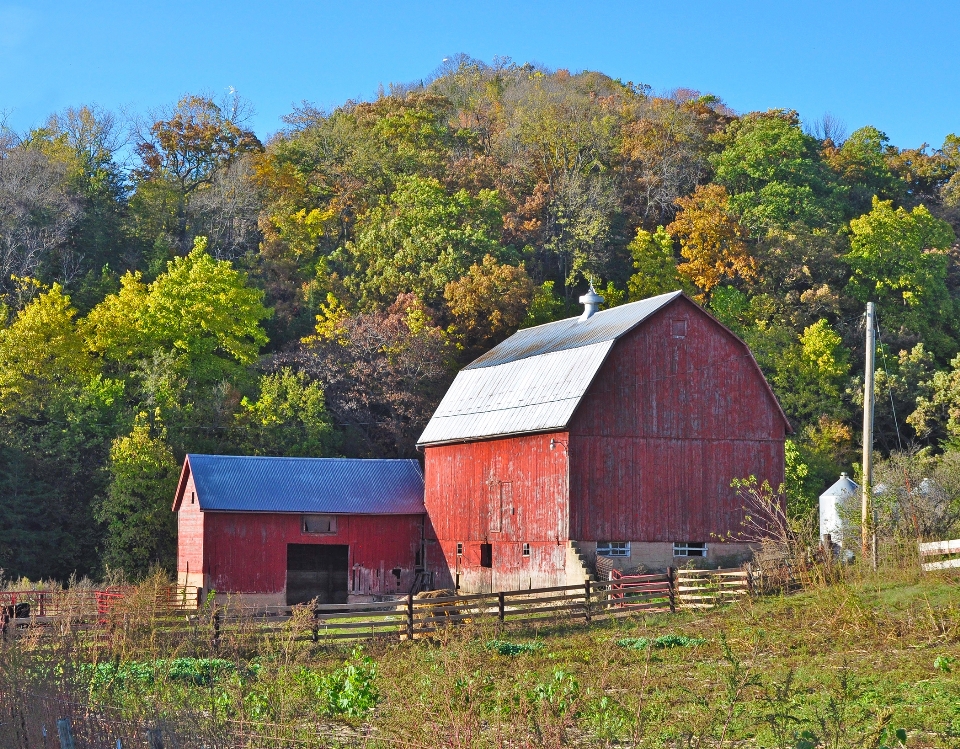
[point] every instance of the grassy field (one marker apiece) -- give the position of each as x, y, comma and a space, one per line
870, 662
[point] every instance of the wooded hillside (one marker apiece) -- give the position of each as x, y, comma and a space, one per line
173, 284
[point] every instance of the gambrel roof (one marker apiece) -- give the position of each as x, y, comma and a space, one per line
534, 380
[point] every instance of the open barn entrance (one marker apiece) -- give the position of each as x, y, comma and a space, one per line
316, 571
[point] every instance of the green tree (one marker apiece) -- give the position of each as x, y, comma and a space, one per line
897, 258
420, 239
811, 375
654, 263
201, 310
775, 173
861, 164
140, 528
289, 417
41, 353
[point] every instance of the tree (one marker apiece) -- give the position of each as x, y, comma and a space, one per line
862, 166
897, 258
185, 148
490, 301
288, 418
711, 239
140, 529
656, 266
419, 240
84, 141
775, 174
382, 374
201, 310
42, 353
37, 214
810, 376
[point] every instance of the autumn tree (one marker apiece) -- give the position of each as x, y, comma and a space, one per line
181, 152
712, 242
490, 302
381, 372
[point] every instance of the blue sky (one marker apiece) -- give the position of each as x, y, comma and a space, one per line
892, 65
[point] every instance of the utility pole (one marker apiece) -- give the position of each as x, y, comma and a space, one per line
866, 513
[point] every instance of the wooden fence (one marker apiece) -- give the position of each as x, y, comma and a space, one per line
942, 549
414, 616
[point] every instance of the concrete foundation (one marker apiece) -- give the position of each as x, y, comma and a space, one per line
656, 556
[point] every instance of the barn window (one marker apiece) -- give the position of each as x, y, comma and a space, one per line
319, 523
689, 549
459, 549
526, 550
678, 328
613, 548
193, 497
486, 555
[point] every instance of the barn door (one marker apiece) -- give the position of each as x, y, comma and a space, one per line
495, 509
317, 571
500, 505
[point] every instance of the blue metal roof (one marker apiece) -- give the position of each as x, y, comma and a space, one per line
232, 483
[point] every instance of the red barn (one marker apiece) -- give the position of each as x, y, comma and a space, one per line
282, 531
617, 433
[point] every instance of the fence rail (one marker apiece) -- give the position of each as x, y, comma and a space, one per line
942, 549
408, 617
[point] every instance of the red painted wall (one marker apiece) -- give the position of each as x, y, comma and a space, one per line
247, 552
189, 535
677, 411
518, 485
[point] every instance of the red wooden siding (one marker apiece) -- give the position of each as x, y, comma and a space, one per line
677, 411
247, 552
518, 485
190, 533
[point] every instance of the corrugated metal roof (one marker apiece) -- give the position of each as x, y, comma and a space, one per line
573, 332
533, 381
527, 395
326, 485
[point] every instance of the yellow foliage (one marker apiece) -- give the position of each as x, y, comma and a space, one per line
711, 240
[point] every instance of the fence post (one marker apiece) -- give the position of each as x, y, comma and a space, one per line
216, 630
65, 731
748, 568
410, 616
672, 587
500, 606
155, 738
586, 600
316, 625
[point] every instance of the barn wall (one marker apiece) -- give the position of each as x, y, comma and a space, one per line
190, 570
517, 485
678, 410
247, 552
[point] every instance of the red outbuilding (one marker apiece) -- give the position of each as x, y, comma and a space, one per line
282, 531
616, 433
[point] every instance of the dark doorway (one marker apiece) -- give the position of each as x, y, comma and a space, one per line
316, 571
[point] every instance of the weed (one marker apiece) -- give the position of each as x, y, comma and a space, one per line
503, 647
663, 641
